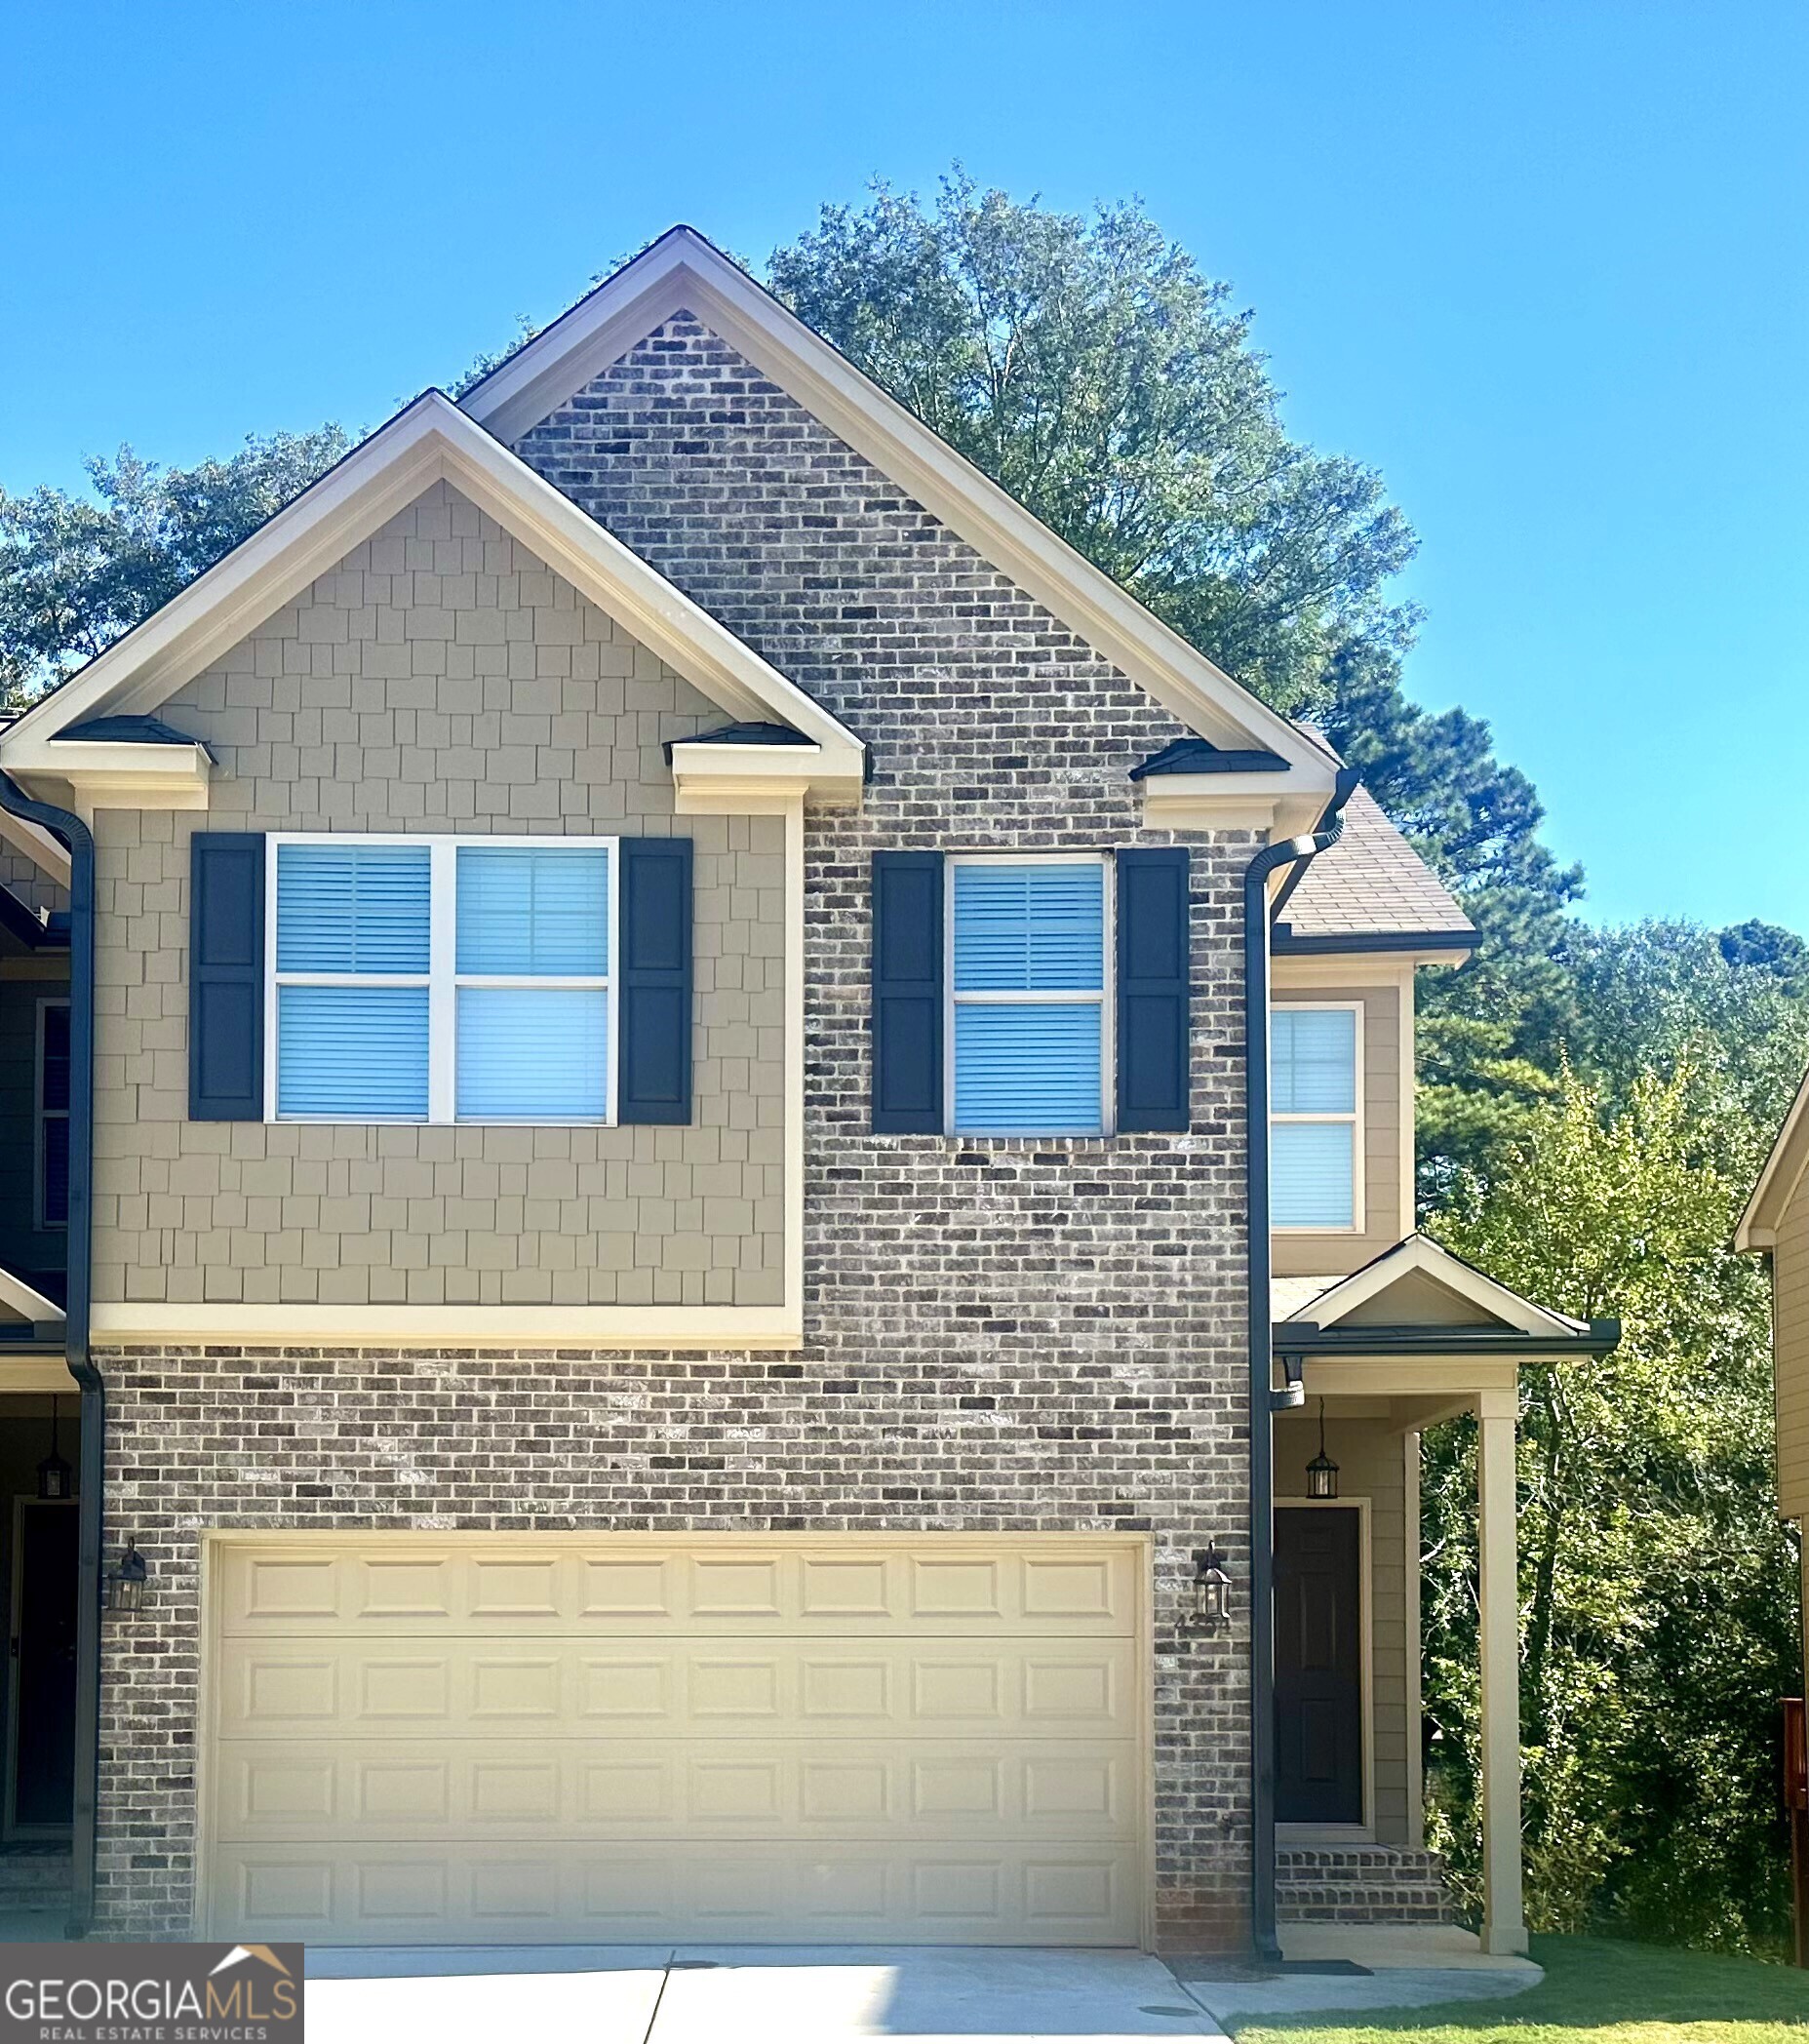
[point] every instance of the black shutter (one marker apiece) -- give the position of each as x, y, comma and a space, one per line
226, 976
1153, 952
653, 1078
907, 993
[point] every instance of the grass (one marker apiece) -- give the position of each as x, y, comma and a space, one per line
1595, 1992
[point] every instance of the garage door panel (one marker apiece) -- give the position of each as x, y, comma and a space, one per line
308, 1590
729, 1892
376, 1688
511, 1790
441, 1737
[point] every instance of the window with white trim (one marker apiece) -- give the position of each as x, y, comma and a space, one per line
51, 1194
1030, 1022
441, 979
1316, 1145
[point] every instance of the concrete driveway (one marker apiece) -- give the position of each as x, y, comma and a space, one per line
704, 1994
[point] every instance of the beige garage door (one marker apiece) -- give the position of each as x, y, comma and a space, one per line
552, 1737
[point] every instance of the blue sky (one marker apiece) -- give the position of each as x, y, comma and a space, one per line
1546, 264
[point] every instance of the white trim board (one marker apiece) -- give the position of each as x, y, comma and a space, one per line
683, 272
431, 440
1419, 1253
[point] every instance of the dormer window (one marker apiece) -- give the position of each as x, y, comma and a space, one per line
1314, 1139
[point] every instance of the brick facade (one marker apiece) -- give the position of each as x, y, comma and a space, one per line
1001, 1335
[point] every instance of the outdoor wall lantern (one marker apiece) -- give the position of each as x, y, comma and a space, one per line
125, 1581
1322, 1470
55, 1477
1210, 1597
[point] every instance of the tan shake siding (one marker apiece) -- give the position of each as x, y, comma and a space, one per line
1386, 1215
439, 678
1370, 1464
32, 885
1789, 1280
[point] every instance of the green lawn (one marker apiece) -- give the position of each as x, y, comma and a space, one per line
1594, 1991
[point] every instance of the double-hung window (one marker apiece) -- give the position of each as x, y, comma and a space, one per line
442, 981
1315, 1149
52, 1196
1031, 1019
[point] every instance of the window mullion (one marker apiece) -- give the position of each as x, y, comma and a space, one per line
442, 987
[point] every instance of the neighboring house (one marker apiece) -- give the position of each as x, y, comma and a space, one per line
1776, 1225
678, 1285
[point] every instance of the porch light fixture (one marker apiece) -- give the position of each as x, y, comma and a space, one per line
1209, 1594
125, 1581
1322, 1470
55, 1478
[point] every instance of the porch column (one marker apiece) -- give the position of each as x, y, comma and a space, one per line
1503, 1928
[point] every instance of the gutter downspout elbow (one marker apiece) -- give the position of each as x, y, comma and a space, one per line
90, 1508
1256, 918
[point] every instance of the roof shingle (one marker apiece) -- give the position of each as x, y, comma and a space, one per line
1371, 883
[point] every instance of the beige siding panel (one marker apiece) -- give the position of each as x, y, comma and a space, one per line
1789, 1279
440, 679
1387, 1205
25, 878
1368, 1455
436, 1740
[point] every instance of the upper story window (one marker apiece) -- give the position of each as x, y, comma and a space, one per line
51, 1193
1315, 1142
456, 980
1030, 1023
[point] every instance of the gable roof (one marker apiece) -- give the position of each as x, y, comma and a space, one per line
1778, 1181
1373, 886
683, 272
429, 441
1478, 1301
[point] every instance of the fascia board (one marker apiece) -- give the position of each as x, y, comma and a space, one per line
238, 593
28, 1303
1782, 1174
684, 272
430, 440
73, 759
1424, 1256
636, 595
33, 841
702, 772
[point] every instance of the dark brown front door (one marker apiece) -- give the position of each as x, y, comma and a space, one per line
1319, 1666
41, 1784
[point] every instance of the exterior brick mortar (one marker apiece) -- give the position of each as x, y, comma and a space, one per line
1000, 1335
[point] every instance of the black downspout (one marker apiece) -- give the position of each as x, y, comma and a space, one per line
1256, 917
80, 840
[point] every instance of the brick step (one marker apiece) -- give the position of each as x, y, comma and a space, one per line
36, 1877
1362, 1884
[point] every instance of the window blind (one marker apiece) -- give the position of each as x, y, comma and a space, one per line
357, 1051
352, 908
1024, 1066
1313, 1139
528, 912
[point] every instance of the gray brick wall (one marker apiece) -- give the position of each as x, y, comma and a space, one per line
1003, 1335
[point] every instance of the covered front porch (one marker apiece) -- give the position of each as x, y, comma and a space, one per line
1415, 1337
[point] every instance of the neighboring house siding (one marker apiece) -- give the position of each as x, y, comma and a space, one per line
1789, 1279
30, 882
1386, 1216
26, 1248
1001, 1335
440, 679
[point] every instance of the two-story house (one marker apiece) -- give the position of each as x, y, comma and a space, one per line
646, 1049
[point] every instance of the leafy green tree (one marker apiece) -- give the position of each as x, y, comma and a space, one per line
1658, 1587
1091, 369
76, 573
